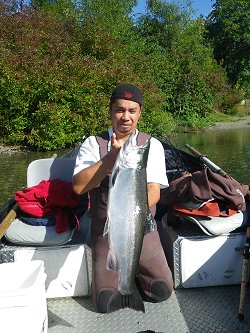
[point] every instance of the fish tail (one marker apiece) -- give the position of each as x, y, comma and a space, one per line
132, 301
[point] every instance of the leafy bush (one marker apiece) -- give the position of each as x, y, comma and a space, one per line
59, 63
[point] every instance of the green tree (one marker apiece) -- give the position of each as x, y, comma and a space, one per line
59, 62
54, 89
163, 21
183, 64
105, 25
228, 30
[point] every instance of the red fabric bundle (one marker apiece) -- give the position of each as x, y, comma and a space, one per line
49, 198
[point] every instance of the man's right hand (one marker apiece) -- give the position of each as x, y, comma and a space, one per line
116, 146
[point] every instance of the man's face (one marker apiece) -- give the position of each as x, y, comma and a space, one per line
124, 115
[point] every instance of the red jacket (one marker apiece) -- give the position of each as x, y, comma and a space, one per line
49, 198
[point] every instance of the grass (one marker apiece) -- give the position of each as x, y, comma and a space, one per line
194, 124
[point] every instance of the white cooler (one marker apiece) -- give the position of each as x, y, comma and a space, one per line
23, 306
68, 267
198, 260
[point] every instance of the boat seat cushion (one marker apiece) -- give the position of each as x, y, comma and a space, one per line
217, 225
24, 234
21, 232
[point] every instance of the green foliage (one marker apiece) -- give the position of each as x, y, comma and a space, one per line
183, 65
55, 126
164, 21
162, 122
60, 60
228, 30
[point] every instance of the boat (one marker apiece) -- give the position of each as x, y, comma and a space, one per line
207, 269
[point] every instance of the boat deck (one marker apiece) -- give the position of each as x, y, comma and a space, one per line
196, 310
212, 309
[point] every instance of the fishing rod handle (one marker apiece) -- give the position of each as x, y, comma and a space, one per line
215, 168
245, 273
243, 288
194, 151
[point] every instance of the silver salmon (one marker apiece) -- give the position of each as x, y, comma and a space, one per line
129, 218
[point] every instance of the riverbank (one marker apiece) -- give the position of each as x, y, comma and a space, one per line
10, 149
234, 123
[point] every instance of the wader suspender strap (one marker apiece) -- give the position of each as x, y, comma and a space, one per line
103, 140
142, 138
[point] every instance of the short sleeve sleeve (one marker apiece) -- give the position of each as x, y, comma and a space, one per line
88, 154
156, 167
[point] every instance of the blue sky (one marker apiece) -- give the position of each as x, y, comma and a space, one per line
203, 7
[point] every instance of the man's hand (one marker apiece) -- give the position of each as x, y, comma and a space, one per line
91, 176
115, 146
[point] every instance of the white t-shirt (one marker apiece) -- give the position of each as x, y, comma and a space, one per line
89, 154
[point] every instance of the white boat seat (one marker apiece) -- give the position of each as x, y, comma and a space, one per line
50, 168
25, 234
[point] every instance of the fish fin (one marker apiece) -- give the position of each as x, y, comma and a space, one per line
114, 175
150, 223
106, 227
119, 301
112, 263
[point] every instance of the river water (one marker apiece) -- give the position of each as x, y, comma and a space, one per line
229, 149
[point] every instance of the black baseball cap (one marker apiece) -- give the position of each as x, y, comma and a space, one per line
127, 91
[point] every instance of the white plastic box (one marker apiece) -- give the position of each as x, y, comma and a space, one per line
67, 268
23, 306
198, 260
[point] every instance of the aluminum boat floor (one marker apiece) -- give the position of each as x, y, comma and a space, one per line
199, 310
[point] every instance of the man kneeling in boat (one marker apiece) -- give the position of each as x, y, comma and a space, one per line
94, 164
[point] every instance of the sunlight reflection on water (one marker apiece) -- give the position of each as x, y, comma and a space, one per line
230, 150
